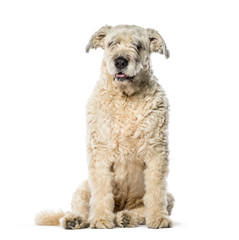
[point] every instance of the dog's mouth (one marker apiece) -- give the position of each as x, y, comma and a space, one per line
123, 77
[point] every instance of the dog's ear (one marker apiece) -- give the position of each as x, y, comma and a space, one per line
97, 40
157, 43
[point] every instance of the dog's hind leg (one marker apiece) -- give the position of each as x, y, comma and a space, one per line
78, 218
170, 203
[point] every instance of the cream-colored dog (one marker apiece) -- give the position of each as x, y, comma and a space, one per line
127, 138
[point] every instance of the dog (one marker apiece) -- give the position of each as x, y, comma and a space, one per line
127, 138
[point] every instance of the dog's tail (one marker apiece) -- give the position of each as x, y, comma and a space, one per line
49, 218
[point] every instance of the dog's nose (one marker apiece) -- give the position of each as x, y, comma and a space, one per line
121, 63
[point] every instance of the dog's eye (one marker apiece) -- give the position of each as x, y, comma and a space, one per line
110, 44
138, 46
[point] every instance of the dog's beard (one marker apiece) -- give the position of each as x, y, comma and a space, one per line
122, 77
125, 76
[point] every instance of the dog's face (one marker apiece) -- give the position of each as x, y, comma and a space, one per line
127, 50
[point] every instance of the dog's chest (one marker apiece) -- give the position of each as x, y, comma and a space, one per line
123, 129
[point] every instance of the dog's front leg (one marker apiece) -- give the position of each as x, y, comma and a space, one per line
102, 200
155, 199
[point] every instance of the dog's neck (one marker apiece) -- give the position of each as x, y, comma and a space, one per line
141, 84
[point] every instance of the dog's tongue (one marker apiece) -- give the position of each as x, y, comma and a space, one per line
120, 75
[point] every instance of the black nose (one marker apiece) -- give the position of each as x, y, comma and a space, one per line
121, 62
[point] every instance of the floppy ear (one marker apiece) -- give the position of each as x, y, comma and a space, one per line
97, 40
157, 43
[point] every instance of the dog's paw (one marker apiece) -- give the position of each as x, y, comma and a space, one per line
125, 219
73, 221
102, 223
159, 222
102, 220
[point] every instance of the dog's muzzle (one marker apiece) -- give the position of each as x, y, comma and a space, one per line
120, 64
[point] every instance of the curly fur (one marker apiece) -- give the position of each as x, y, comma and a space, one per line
127, 139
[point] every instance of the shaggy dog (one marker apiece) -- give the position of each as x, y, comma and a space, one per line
127, 143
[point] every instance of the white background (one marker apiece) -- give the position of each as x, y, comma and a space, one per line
46, 78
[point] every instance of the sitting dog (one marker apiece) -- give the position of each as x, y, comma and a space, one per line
127, 140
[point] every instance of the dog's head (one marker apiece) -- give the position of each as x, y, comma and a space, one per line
127, 49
